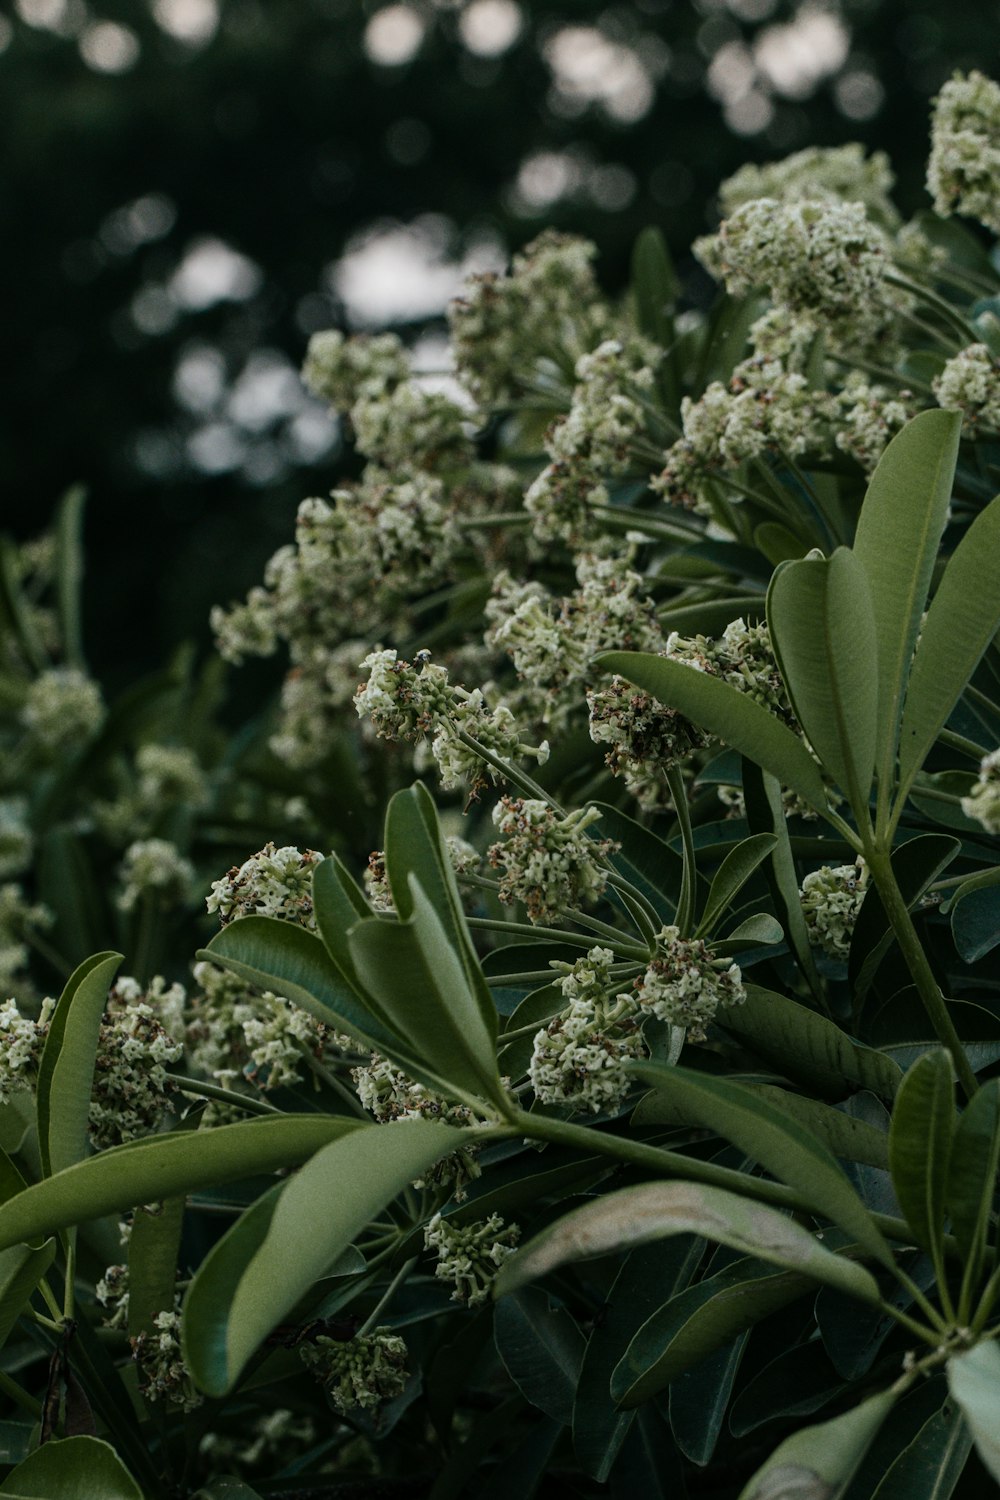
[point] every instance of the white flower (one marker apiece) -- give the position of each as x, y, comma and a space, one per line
840, 173
963, 172
831, 898
271, 883
685, 984
548, 862
155, 868
163, 1374
983, 802
340, 370
579, 1057
364, 1371
63, 707
471, 1254
970, 383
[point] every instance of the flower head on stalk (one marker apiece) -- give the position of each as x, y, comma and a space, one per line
579, 1057
364, 1371
963, 172
471, 1254
983, 801
686, 984
831, 899
546, 861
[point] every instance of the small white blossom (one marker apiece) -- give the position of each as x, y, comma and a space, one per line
983, 802
970, 383
155, 868
340, 369
132, 1092
579, 1057
546, 861
871, 415
963, 172
163, 1375
686, 984
645, 738
471, 1254
364, 1371
840, 173
63, 707
21, 1042
831, 898
272, 883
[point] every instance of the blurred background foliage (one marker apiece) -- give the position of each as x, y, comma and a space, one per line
192, 187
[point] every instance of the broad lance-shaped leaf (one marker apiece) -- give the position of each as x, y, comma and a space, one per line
730, 715
765, 814
733, 874
289, 1238
817, 1462
656, 1210
974, 1382
542, 1349
781, 1144
931, 1465
164, 1166
897, 539
413, 968
920, 1137
66, 1069
963, 618
972, 1174
73, 1468
822, 625
21, 1269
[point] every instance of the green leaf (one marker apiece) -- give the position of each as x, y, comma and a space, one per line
21, 1269
73, 1468
282, 956
338, 902
974, 1382
920, 1140
727, 713
897, 540
962, 620
972, 1174
69, 563
164, 1166
69, 886
753, 932
699, 1321
931, 1465
796, 1383
15, 615
732, 875
807, 1046
542, 1349
270, 1258
847, 1137
647, 1275
153, 1248
698, 1402
424, 994
781, 1144
66, 1067
644, 858
822, 624
654, 286
975, 923
816, 1463
657, 1210
765, 814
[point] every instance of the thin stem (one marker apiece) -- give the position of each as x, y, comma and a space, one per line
927, 1335
937, 304
333, 1083
882, 372
959, 742
986, 1303
685, 901
920, 1298
916, 961
226, 1096
68, 1284
578, 939
501, 518
511, 773
13, 1390
48, 1297
387, 1296
645, 915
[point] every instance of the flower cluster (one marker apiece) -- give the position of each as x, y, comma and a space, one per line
410, 700
165, 776
471, 1254
870, 415
21, 1042
983, 801
963, 172
271, 883
686, 984
19, 919
970, 383
842, 174
546, 861
364, 1371
831, 898
16, 840
388, 1094
153, 869
63, 706
579, 1057
132, 1090
163, 1374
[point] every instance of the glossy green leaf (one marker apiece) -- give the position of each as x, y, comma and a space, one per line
69, 564
648, 1275
699, 1400
283, 957
73, 1468
972, 1173
338, 902
271, 1257
765, 814
153, 1248
732, 875
643, 858
796, 1383
693, 1325
897, 539
21, 1269
822, 624
424, 994
541, 1348
783, 1145
657, 1210
649, 1464
727, 713
920, 1142
975, 923
982, 880
816, 1463
974, 1382
66, 1068
654, 286
164, 1166
809, 1047
845, 1136
963, 618
759, 930
931, 1465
